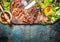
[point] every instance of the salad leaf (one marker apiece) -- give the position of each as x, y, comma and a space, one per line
6, 5
59, 4
57, 14
4, 0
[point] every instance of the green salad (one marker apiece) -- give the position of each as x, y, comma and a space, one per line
5, 4
49, 8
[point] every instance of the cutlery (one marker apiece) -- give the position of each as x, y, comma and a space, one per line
30, 5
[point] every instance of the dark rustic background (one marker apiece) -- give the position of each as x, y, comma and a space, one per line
30, 33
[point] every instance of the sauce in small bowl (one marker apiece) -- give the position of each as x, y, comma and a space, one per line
5, 17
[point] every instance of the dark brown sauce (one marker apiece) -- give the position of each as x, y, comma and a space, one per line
0, 10
3, 17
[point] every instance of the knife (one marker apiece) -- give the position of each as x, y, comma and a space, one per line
30, 5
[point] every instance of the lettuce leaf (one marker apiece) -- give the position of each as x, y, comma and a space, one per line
6, 5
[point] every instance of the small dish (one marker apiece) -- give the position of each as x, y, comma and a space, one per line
5, 17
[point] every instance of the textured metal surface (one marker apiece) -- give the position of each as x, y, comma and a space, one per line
30, 33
